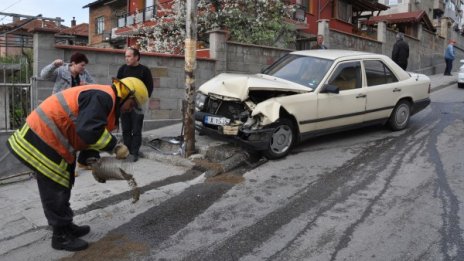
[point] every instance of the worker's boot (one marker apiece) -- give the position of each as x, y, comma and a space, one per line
79, 231
63, 239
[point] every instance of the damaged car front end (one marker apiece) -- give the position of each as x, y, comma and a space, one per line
247, 116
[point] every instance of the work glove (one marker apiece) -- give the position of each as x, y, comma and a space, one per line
121, 151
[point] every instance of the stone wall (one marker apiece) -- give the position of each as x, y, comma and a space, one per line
245, 58
165, 104
425, 54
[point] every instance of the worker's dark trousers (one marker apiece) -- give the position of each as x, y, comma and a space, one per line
55, 200
132, 123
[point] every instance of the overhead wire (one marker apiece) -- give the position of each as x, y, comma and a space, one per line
8, 8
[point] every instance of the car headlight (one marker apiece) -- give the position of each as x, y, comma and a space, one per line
200, 99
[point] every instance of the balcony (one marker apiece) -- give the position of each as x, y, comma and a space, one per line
141, 16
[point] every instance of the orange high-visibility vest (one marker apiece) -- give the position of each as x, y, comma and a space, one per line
54, 122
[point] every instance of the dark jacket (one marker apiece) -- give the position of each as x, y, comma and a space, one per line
400, 53
140, 71
316, 46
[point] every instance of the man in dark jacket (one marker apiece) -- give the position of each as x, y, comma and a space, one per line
132, 122
400, 53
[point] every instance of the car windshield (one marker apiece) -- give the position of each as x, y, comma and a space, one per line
304, 70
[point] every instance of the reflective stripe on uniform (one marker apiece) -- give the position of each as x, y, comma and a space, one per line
65, 106
51, 124
39, 161
104, 140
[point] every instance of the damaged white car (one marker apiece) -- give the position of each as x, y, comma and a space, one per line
308, 93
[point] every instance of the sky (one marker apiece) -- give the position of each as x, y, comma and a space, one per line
66, 9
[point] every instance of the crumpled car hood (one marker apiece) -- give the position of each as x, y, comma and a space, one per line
237, 86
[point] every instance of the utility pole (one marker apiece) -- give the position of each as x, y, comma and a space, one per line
190, 66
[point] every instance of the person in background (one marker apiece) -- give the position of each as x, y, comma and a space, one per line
132, 122
66, 76
449, 57
72, 120
320, 43
400, 53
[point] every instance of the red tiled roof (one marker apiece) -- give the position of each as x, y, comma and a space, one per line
80, 30
407, 17
34, 24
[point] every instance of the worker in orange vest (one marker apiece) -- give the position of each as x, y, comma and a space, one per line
75, 119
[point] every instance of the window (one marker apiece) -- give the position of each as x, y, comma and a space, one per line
100, 25
378, 73
307, 5
344, 11
393, 2
347, 76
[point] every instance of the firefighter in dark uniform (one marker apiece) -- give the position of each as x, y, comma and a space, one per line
75, 119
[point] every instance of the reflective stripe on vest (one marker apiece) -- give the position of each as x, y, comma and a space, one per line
30, 154
65, 106
51, 124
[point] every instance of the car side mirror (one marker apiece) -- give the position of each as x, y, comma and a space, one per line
329, 88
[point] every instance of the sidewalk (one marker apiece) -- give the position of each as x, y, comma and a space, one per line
440, 81
24, 234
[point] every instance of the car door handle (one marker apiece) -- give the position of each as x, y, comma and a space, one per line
361, 95
396, 90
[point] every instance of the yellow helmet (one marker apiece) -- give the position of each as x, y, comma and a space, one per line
135, 88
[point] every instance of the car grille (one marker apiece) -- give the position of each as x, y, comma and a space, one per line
229, 109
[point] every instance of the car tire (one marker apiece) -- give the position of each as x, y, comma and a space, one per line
460, 85
400, 116
282, 139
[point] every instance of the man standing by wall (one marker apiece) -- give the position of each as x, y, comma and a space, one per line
320, 43
449, 57
132, 122
400, 53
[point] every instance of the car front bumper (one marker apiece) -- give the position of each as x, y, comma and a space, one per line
254, 139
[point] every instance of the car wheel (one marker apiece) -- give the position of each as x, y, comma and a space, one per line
282, 139
460, 85
399, 118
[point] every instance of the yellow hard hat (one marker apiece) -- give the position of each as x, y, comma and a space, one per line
137, 89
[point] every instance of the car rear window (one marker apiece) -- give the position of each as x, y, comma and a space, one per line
378, 73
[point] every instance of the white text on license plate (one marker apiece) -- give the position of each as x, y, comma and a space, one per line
216, 120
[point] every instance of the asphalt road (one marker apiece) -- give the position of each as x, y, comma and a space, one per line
368, 194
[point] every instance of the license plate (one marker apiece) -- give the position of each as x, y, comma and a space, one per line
221, 121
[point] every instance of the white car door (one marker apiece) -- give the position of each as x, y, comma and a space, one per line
346, 107
383, 90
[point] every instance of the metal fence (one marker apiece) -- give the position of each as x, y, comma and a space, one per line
15, 93
15, 105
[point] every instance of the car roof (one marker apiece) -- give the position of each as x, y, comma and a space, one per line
333, 54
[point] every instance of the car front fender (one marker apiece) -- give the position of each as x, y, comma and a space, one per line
269, 111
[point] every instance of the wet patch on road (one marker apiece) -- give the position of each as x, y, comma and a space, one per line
111, 247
